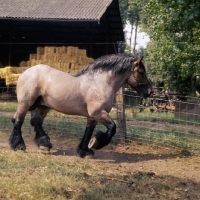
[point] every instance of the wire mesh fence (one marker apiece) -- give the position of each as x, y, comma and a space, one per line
159, 121
167, 122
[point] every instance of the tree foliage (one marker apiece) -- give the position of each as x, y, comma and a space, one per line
174, 50
174, 28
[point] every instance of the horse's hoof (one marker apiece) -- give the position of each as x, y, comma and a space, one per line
21, 147
89, 153
45, 148
93, 144
89, 156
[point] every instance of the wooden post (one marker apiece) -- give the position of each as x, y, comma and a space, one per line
121, 116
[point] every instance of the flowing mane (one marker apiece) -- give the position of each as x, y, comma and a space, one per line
118, 63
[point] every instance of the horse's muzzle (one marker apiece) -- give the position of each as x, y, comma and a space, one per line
151, 93
148, 93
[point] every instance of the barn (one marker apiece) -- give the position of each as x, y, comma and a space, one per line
87, 24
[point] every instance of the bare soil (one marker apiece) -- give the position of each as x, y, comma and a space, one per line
129, 159
132, 158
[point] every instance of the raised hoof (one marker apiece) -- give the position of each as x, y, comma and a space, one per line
85, 153
99, 141
93, 144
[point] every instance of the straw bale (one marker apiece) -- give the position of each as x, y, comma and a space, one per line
65, 58
28, 63
72, 71
37, 62
88, 60
49, 50
78, 66
40, 51
68, 59
58, 58
52, 57
32, 56
73, 59
76, 51
17, 70
82, 52
33, 62
48, 56
12, 79
72, 66
72, 50
65, 67
81, 60
10, 70
3, 73
48, 62
23, 64
61, 50
39, 57
56, 66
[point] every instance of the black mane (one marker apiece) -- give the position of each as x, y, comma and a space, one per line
118, 63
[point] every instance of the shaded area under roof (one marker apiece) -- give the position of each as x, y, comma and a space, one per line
90, 24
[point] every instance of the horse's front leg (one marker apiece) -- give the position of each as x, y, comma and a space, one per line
41, 138
83, 149
102, 139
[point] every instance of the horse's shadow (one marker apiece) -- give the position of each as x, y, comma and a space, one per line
118, 157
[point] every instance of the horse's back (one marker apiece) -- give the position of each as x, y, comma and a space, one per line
39, 74
32, 80
54, 88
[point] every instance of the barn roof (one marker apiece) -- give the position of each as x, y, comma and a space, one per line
91, 10
94, 25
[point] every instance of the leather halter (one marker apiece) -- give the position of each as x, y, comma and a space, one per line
132, 70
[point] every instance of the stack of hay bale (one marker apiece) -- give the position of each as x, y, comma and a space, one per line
11, 74
68, 59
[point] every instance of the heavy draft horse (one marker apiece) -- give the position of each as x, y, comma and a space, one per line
90, 93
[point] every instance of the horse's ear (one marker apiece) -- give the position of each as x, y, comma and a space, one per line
137, 62
139, 59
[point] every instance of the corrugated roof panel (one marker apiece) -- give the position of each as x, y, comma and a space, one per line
54, 9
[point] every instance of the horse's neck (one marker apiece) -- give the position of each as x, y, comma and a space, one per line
104, 80
117, 81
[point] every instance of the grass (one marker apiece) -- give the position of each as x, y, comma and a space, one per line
38, 176
27, 176
168, 138
8, 107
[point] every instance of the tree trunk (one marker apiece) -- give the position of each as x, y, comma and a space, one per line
135, 39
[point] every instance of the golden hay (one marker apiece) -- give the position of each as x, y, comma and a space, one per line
67, 59
40, 51
11, 79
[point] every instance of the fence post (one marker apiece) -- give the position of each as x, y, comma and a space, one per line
121, 116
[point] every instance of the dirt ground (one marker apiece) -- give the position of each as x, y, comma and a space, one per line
128, 159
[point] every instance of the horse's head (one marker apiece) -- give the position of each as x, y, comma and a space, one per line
138, 79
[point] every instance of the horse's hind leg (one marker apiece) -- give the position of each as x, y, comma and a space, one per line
37, 117
83, 149
16, 141
102, 139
